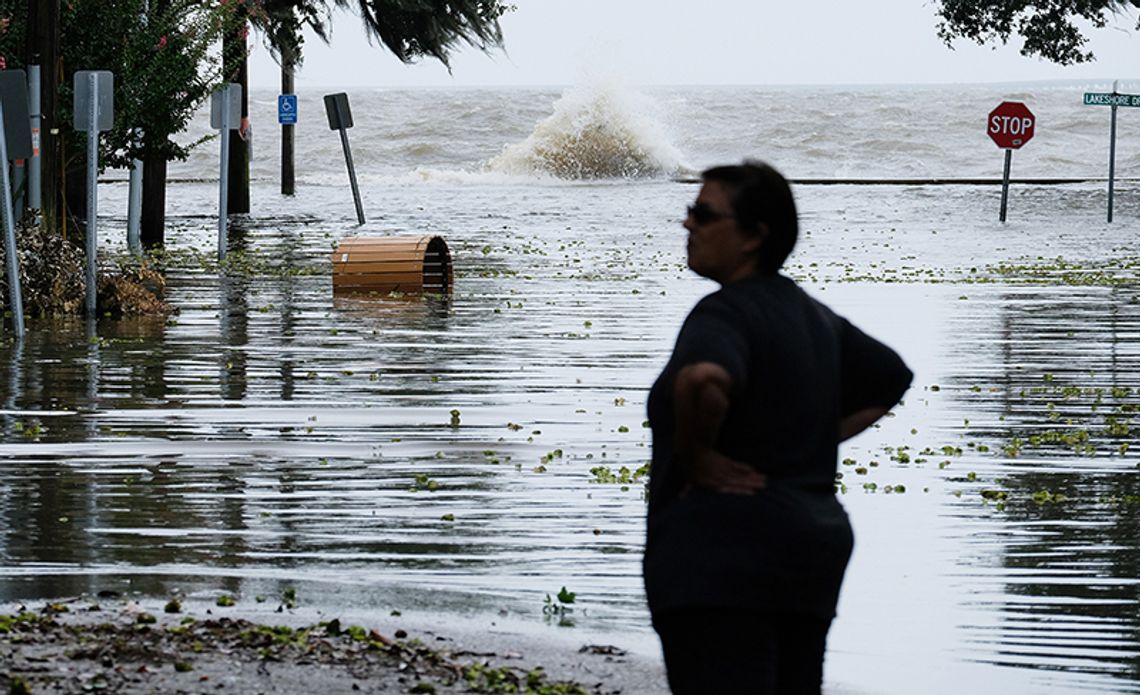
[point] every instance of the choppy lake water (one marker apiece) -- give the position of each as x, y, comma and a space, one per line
271, 435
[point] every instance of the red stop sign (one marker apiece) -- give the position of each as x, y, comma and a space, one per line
1011, 124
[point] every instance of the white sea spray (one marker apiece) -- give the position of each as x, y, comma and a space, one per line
597, 130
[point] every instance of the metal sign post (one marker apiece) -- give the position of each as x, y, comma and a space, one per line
1005, 185
1111, 159
134, 207
35, 163
1010, 126
15, 143
225, 115
94, 112
1113, 99
340, 118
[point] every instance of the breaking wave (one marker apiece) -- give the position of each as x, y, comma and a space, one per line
596, 132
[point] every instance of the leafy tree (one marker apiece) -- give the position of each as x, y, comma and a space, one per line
283, 23
1048, 27
412, 29
161, 60
161, 53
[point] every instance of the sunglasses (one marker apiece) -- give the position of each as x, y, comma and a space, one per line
703, 214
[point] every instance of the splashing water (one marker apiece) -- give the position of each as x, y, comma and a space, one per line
595, 132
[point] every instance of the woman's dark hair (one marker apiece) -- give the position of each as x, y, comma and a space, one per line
761, 195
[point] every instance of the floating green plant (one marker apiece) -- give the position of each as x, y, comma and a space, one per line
424, 482
624, 476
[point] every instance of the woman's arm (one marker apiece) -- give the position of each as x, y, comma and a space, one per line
700, 402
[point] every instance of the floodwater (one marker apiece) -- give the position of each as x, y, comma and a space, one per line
444, 456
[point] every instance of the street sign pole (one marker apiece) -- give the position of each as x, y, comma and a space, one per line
1112, 153
352, 176
1114, 99
35, 163
15, 143
1010, 126
16, 299
1005, 184
93, 112
340, 118
1111, 162
224, 174
225, 115
92, 189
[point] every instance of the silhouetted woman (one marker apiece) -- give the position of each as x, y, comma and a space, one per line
747, 543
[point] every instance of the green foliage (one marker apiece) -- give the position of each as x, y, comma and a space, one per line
282, 23
1048, 27
411, 30
18, 686
624, 476
485, 678
164, 66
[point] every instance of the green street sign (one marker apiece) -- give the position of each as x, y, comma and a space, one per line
1111, 99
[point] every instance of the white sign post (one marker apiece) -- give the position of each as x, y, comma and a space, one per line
225, 115
94, 112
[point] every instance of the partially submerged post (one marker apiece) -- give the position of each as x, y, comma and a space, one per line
340, 118
287, 117
225, 115
1010, 126
1114, 100
94, 111
15, 143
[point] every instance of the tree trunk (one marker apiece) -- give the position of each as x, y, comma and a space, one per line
237, 191
288, 170
152, 221
43, 50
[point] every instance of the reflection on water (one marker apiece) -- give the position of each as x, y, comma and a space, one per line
1063, 404
394, 452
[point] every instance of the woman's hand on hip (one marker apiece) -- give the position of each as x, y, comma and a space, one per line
714, 471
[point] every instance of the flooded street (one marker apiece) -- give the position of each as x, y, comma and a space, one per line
465, 457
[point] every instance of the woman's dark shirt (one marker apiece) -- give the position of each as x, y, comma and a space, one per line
796, 368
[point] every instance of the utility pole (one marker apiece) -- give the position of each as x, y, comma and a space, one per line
42, 47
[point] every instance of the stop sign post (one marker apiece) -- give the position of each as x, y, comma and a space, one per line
1010, 126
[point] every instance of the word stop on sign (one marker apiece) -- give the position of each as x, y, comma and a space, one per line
1010, 125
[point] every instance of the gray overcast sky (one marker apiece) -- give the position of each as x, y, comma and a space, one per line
650, 42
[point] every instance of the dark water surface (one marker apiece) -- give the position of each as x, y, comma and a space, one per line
270, 435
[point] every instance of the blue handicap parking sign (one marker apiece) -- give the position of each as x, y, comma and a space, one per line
287, 109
